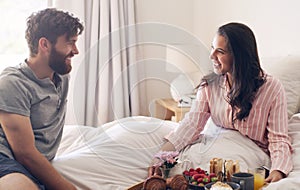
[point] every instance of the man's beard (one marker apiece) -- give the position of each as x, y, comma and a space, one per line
57, 62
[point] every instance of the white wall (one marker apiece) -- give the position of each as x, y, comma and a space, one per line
276, 24
173, 12
177, 13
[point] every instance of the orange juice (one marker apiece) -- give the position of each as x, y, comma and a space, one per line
259, 181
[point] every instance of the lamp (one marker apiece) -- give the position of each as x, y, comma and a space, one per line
180, 60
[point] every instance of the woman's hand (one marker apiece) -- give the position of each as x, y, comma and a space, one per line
154, 170
274, 176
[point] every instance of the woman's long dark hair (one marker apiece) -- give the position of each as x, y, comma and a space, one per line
247, 73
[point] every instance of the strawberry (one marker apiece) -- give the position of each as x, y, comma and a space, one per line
212, 175
196, 176
198, 170
206, 180
200, 180
193, 173
194, 183
186, 173
191, 170
213, 179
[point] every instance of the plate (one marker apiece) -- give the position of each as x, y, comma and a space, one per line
233, 185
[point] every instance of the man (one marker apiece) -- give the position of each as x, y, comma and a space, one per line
33, 103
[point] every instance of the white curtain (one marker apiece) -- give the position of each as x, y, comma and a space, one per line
104, 79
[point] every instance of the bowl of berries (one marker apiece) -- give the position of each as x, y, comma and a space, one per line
198, 178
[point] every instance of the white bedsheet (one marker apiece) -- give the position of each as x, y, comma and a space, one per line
292, 182
117, 154
222, 143
113, 156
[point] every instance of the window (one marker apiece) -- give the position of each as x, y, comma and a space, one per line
13, 46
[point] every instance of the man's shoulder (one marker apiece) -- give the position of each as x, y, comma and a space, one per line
12, 73
13, 76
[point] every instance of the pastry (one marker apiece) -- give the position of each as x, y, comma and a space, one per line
216, 166
220, 186
178, 182
231, 167
155, 182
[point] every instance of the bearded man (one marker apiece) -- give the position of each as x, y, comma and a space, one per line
33, 98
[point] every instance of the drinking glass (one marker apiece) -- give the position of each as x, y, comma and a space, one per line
259, 177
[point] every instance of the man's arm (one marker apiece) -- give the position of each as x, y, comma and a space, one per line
18, 131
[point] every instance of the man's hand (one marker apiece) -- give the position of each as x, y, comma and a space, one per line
274, 176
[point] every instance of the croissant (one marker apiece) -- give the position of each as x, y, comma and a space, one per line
155, 182
178, 182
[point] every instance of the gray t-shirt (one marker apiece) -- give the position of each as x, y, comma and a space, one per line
21, 92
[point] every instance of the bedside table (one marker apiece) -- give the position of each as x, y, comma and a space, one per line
166, 108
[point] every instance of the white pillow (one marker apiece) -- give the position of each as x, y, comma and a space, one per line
287, 71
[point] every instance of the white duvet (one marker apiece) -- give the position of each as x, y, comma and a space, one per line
117, 154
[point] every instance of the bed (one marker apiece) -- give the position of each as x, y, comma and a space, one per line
116, 155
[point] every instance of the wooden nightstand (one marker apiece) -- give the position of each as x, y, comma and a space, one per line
166, 108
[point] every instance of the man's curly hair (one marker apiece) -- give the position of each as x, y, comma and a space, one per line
50, 23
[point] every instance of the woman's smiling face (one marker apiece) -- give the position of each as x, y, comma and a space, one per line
221, 56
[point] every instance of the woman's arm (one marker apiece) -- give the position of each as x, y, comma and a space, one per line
193, 123
189, 129
279, 141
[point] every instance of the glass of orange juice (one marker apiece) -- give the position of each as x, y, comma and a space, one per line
259, 177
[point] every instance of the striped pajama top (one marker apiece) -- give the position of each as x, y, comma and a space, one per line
266, 124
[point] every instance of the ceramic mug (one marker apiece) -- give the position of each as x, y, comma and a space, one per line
246, 180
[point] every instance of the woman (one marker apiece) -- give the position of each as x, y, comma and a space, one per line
239, 95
